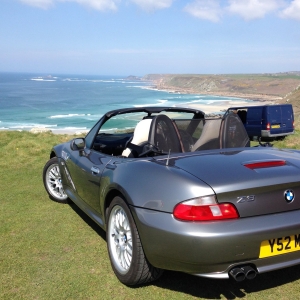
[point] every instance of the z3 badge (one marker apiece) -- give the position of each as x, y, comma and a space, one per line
242, 199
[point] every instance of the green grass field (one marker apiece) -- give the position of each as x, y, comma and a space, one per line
53, 251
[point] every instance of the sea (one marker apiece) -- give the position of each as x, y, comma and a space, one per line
76, 102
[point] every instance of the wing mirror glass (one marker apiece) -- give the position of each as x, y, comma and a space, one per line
78, 144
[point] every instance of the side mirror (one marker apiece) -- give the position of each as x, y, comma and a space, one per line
77, 144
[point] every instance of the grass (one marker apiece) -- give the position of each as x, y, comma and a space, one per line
53, 251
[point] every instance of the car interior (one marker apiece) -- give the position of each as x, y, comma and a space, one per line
159, 135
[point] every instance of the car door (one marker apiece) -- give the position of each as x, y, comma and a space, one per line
85, 167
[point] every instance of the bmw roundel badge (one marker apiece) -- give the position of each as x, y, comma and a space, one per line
289, 196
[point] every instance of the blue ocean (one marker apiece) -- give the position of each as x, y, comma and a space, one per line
73, 102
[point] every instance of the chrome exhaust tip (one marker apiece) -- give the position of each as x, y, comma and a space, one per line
237, 274
250, 273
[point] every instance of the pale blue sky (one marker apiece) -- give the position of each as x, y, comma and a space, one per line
138, 37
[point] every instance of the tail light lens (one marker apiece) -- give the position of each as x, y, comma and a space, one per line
268, 126
204, 209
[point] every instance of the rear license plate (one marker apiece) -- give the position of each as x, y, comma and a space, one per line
279, 246
275, 126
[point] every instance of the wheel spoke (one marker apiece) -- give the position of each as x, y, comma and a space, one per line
124, 221
117, 219
60, 190
125, 224
118, 250
129, 250
115, 231
52, 175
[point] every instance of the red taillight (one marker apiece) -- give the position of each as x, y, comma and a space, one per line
265, 164
293, 125
268, 126
191, 211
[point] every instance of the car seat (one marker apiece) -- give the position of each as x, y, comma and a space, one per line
140, 137
210, 137
157, 135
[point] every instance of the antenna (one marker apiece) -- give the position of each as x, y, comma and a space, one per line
168, 158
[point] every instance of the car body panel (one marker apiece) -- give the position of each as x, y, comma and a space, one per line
86, 168
132, 181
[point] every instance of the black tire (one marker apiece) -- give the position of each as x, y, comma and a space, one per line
125, 248
52, 181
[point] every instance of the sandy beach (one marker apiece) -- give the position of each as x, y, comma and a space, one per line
222, 106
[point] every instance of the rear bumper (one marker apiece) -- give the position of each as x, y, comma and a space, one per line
212, 249
262, 265
266, 133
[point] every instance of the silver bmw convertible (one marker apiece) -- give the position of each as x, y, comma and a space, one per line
175, 190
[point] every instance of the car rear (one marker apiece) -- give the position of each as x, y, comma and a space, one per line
278, 120
263, 234
214, 248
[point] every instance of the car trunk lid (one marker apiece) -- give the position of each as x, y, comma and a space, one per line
257, 181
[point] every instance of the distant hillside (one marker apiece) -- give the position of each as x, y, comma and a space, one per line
294, 98
253, 86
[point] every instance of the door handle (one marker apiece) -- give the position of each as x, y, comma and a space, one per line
95, 170
111, 167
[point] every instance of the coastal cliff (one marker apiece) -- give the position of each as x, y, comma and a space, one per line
277, 87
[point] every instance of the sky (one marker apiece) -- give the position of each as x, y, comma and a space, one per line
139, 37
